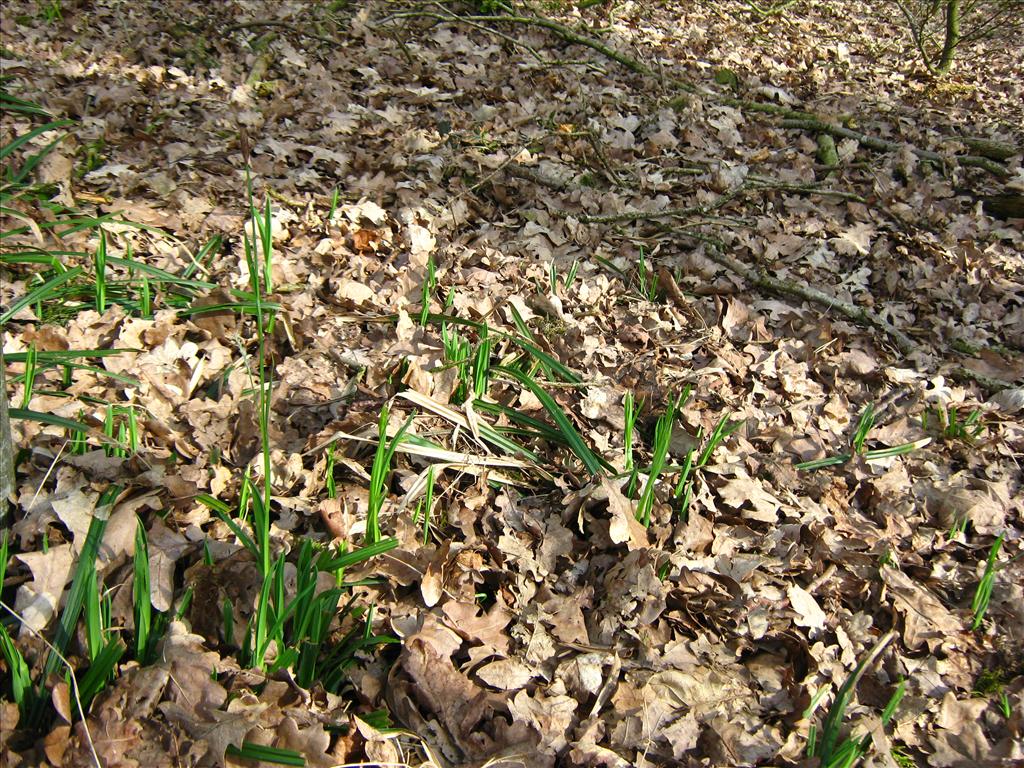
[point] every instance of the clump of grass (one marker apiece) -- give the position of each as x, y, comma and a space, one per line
565, 281
104, 647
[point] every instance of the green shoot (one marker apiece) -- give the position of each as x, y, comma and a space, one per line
332, 488
662, 437
426, 504
31, 370
952, 426
554, 279
334, 206
684, 487
17, 668
456, 352
50, 11
864, 425
261, 753
481, 365
630, 410
95, 627
610, 266
901, 758
100, 671
830, 750
429, 284
143, 607
18, 672
100, 276
958, 527
1004, 705
83, 579
201, 259
520, 324
828, 461
78, 443
877, 454
380, 472
722, 430
983, 593
261, 239
13, 105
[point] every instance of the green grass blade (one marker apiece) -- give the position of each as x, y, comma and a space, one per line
262, 753
33, 160
828, 461
24, 138
143, 607
12, 104
349, 559
983, 594
18, 671
40, 293
590, 460
100, 671
48, 418
224, 513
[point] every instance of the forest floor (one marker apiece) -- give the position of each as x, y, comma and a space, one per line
562, 567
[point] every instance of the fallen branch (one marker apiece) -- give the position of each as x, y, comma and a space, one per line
750, 183
559, 29
989, 384
990, 148
882, 145
787, 288
792, 118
